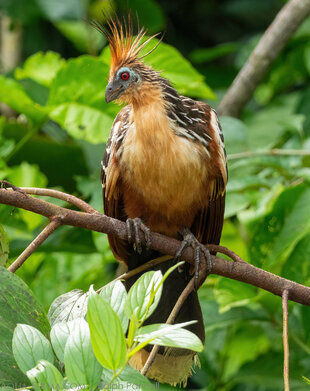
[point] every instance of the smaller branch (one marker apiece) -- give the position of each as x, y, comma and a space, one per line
271, 152
285, 341
224, 250
70, 199
176, 309
47, 231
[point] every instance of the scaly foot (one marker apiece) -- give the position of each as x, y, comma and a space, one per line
189, 240
134, 226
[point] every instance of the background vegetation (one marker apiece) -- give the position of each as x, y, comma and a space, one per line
57, 139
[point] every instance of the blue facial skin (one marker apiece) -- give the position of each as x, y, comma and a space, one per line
118, 85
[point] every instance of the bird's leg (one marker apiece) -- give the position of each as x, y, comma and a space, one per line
134, 226
189, 240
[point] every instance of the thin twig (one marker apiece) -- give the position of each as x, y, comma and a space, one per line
285, 341
240, 271
176, 309
47, 231
270, 152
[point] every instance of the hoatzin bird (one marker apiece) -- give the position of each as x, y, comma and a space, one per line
164, 170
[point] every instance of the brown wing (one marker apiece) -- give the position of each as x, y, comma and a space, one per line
208, 222
110, 179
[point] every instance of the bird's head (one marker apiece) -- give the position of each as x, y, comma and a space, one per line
130, 79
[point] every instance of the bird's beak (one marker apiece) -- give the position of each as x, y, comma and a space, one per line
113, 91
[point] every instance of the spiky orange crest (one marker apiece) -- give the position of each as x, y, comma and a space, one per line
124, 48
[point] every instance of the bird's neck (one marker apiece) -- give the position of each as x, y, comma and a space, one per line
150, 117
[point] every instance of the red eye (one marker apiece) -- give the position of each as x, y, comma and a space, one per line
125, 75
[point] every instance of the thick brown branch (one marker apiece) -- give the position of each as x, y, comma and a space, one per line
272, 42
240, 271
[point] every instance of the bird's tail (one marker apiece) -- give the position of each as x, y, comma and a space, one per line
171, 365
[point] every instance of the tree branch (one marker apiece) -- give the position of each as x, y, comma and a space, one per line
240, 271
272, 42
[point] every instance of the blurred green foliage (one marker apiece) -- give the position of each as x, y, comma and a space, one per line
57, 140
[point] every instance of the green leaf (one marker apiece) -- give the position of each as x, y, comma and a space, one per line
29, 346
173, 66
14, 96
59, 335
276, 234
4, 247
41, 67
81, 365
115, 294
83, 80
128, 378
69, 306
45, 376
83, 36
248, 343
230, 293
170, 335
82, 121
17, 305
106, 332
141, 299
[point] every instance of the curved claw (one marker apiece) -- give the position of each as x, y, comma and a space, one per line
190, 240
134, 226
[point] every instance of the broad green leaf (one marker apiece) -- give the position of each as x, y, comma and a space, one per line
296, 226
173, 66
170, 335
235, 203
69, 306
29, 346
14, 96
128, 378
82, 80
115, 294
45, 376
17, 305
81, 365
107, 336
141, 300
82, 121
59, 335
41, 67
248, 343
4, 247
230, 293
83, 36
275, 236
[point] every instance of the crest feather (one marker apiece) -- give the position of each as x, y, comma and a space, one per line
124, 48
